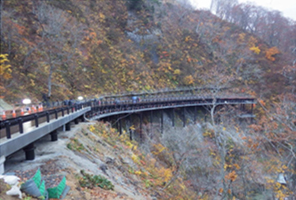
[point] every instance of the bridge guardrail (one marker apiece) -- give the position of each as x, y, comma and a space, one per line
113, 102
35, 117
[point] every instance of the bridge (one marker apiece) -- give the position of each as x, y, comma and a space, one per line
22, 131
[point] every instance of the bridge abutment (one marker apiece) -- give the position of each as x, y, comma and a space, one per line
2, 160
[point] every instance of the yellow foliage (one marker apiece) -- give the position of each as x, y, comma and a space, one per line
5, 69
135, 158
159, 148
138, 172
252, 41
177, 72
165, 173
92, 128
32, 82
102, 17
187, 39
227, 166
132, 128
188, 80
281, 191
255, 49
241, 38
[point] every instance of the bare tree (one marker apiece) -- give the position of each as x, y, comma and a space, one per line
61, 36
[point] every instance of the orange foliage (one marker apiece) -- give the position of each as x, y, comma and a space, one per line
271, 52
256, 127
261, 102
20, 29
231, 176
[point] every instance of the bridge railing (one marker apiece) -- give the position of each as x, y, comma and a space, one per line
161, 103
123, 101
17, 123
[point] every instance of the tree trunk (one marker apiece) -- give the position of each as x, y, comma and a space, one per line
50, 75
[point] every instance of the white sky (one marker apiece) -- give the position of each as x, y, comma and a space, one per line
287, 7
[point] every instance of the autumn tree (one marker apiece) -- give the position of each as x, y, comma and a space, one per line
5, 72
59, 48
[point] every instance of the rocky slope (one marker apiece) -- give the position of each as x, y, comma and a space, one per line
81, 149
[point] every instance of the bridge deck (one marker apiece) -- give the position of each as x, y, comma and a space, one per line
19, 141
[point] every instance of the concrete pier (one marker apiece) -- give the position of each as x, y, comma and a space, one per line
2, 160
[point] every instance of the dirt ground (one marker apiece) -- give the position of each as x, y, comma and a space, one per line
55, 158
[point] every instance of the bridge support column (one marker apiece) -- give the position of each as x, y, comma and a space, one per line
161, 121
2, 160
131, 133
120, 127
76, 121
195, 115
68, 126
117, 123
173, 117
151, 122
252, 113
29, 150
184, 117
82, 118
54, 135
141, 121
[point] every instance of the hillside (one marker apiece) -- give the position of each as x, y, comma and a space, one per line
69, 48
92, 152
62, 49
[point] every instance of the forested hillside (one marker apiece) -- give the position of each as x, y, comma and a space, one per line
68, 48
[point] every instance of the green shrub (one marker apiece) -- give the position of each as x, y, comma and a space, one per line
91, 181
